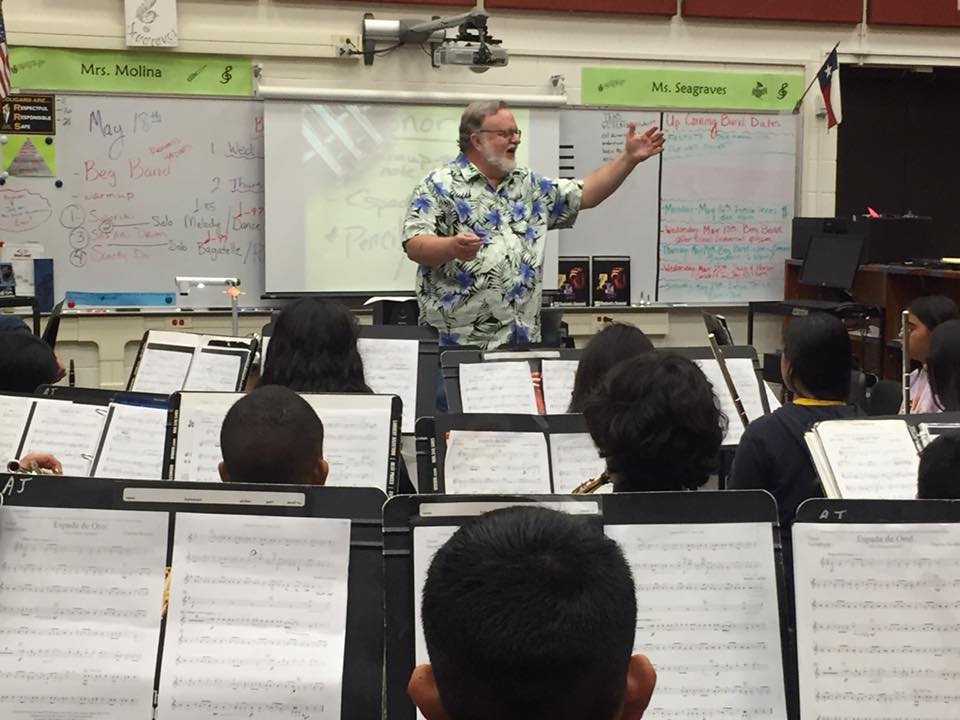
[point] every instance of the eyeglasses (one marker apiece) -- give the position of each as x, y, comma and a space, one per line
505, 134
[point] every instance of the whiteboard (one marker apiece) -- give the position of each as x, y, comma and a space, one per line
707, 221
152, 188
626, 223
339, 180
159, 187
726, 206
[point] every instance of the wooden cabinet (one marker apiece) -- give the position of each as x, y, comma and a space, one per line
891, 288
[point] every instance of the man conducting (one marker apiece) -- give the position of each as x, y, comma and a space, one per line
477, 228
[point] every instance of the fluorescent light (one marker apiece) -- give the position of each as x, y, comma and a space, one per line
292, 92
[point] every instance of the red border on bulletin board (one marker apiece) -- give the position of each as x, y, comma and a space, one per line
935, 13
834, 11
665, 8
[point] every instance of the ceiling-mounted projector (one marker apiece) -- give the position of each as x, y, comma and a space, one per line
480, 58
473, 46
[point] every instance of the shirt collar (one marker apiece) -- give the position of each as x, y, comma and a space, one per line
470, 172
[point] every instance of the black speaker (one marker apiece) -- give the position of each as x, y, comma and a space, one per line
388, 312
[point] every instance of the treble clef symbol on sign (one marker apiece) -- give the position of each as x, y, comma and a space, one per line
225, 76
145, 13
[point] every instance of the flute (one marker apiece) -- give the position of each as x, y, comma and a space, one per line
905, 350
728, 380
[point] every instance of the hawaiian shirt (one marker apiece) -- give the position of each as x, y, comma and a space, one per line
494, 298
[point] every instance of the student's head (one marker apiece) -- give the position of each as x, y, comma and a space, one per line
314, 349
615, 342
272, 435
655, 419
939, 476
529, 614
943, 364
26, 362
816, 357
924, 315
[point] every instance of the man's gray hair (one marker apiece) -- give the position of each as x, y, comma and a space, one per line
473, 117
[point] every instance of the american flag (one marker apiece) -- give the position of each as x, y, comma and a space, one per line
4, 58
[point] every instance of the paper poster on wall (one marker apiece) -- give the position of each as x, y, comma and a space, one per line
151, 23
25, 156
28, 115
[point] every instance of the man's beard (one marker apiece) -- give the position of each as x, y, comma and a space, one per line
501, 163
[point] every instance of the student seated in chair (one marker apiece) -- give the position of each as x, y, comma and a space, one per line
939, 476
314, 349
924, 316
26, 362
529, 614
655, 419
772, 454
615, 342
943, 366
272, 435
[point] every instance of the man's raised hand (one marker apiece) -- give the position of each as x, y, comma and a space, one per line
640, 146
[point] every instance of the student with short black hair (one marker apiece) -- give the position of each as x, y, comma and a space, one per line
313, 348
772, 454
924, 316
615, 342
529, 614
943, 366
26, 362
939, 476
272, 435
655, 419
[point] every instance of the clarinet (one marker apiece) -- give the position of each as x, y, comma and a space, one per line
728, 380
905, 350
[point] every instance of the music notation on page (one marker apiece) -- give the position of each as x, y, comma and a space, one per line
878, 624
708, 617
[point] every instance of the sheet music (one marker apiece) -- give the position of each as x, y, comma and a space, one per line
496, 462
198, 435
215, 370
14, 411
708, 618
871, 458
427, 539
163, 369
264, 344
503, 386
81, 595
575, 460
390, 367
878, 620
257, 621
132, 446
558, 378
748, 387
356, 441
70, 431
711, 368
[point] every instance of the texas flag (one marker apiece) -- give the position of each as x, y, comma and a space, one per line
830, 87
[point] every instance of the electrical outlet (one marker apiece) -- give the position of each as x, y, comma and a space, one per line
346, 46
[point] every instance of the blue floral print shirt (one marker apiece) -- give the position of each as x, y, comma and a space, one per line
495, 298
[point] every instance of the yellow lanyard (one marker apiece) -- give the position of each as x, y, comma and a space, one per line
812, 402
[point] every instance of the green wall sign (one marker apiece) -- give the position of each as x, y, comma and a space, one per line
130, 72
690, 89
